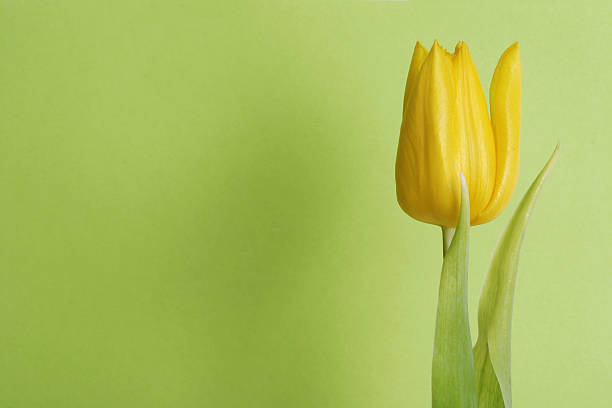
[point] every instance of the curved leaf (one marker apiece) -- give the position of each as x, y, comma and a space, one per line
492, 349
453, 379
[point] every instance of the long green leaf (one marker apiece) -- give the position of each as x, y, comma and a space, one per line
453, 379
492, 349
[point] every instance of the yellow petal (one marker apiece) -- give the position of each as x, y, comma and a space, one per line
427, 170
418, 56
473, 129
505, 99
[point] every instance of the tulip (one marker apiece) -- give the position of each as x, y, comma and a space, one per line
446, 130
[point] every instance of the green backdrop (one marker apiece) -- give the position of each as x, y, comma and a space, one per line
197, 203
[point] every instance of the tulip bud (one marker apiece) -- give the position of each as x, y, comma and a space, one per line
446, 131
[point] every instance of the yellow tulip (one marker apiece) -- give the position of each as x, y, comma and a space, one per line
446, 131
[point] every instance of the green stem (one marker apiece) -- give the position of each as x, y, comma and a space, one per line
447, 237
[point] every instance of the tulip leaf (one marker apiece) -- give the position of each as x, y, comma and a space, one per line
492, 349
453, 378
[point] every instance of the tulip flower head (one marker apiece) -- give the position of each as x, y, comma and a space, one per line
446, 130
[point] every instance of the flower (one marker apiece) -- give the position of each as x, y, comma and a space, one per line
446, 131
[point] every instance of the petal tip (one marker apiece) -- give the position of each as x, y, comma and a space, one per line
513, 50
419, 48
436, 48
462, 50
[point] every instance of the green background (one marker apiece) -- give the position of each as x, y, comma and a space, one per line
197, 203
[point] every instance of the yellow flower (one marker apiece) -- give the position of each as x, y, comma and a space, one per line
446, 131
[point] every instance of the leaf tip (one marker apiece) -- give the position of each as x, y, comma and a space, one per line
553, 158
463, 182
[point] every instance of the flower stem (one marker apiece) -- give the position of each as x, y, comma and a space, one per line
447, 237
